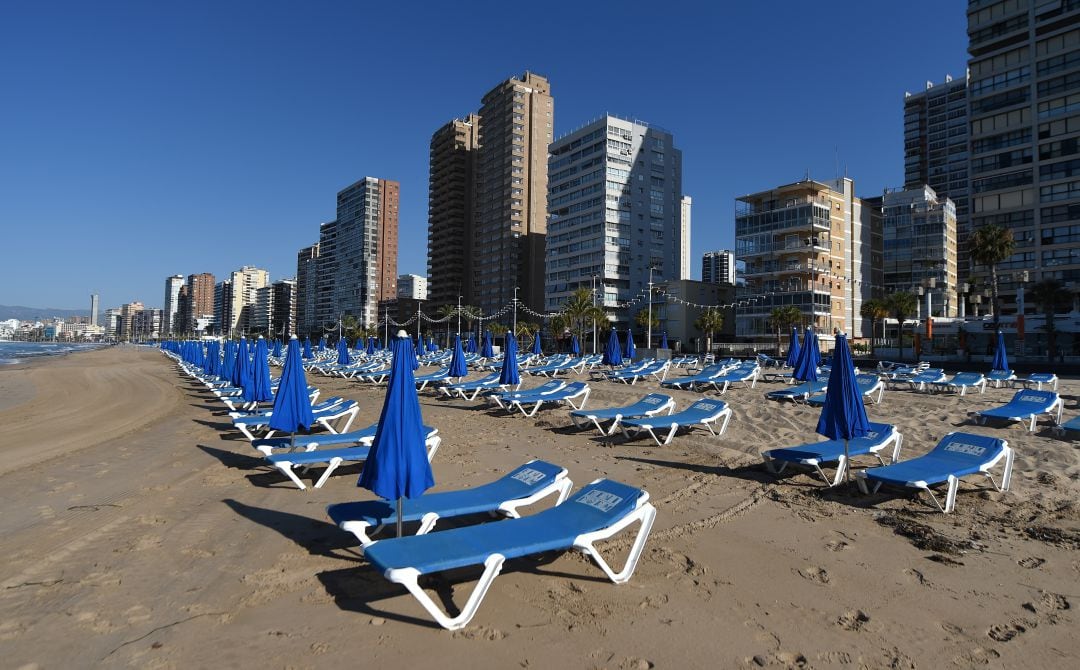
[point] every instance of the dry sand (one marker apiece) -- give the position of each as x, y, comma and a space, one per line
137, 531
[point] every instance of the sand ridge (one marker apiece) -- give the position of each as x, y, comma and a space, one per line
148, 536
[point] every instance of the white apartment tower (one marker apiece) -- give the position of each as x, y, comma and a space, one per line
615, 207
684, 238
718, 267
170, 321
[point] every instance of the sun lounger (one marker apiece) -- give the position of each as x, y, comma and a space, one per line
1037, 379
881, 435
740, 375
361, 437
438, 375
927, 376
798, 392
336, 418
956, 455
470, 389
656, 369
522, 487
1026, 405
566, 394
870, 387
999, 377
504, 398
704, 412
654, 403
1072, 425
552, 368
288, 463
597, 512
960, 383
706, 375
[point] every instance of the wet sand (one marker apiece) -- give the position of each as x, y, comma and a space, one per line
138, 531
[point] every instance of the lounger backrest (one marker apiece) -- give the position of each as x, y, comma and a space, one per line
967, 378
1035, 398
967, 448
533, 475
878, 430
868, 381
994, 374
653, 400
704, 408
1043, 377
549, 386
574, 387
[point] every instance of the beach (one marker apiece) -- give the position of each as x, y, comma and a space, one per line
139, 530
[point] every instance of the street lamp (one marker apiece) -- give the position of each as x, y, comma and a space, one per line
418, 301
458, 316
648, 340
594, 315
965, 288
515, 311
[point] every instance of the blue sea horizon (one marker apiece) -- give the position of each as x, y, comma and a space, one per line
12, 352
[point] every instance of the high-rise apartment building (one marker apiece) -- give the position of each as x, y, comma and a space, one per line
451, 210
94, 308
809, 244
171, 306
223, 306
127, 319
919, 234
306, 283
936, 147
1025, 135
283, 308
147, 324
246, 283
199, 301
684, 238
516, 127
718, 267
413, 287
615, 209
357, 251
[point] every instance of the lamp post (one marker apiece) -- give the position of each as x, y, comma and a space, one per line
418, 301
594, 315
458, 316
386, 325
1024, 276
515, 311
648, 340
964, 289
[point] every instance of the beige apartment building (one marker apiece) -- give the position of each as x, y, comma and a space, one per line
810, 244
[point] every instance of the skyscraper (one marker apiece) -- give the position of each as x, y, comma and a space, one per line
936, 149
919, 231
172, 304
718, 267
306, 284
684, 238
615, 212
94, 307
1025, 126
516, 126
200, 299
246, 283
451, 198
352, 262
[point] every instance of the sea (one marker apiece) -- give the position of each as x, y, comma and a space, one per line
17, 352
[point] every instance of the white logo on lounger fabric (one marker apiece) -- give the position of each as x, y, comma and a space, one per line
652, 401
966, 448
1031, 397
601, 500
529, 476
707, 406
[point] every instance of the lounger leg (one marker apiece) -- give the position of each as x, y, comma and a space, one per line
408, 577
646, 514
1006, 477
841, 468
535, 409
360, 530
330, 467
287, 468
667, 440
950, 499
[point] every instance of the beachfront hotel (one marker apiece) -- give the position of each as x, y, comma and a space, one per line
451, 210
507, 257
356, 265
919, 240
1024, 98
810, 244
718, 267
616, 213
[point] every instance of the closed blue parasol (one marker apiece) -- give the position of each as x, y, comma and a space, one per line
630, 350
793, 348
228, 361
815, 348
397, 466
843, 416
292, 404
471, 346
307, 349
260, 366
240, 364
457, 360
343, 352
805, 366
486, 350
663, 340
431, 346
509, 374
277, 348
322, 343
1001, 359
370, 349
537, 347
612, 354
575, 346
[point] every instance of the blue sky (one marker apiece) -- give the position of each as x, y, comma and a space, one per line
144, 139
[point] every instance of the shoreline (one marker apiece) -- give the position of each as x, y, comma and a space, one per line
173, 545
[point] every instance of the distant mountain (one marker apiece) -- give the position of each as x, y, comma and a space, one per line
37, 313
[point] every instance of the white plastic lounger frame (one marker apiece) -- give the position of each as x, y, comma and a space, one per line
895, 439
289, 470
565, 394
645, 514
724, 414
667, 406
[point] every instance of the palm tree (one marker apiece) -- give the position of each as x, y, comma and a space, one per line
580, 311
710, 321
469, 314
642, 320
901, 305
447, 312
1050, 294
875, 310
782, 319
350, 327
991, 244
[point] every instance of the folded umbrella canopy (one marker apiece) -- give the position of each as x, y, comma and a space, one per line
612, 354
292, 404
487, 350
575, 346
260, 366
806, 366
1001, 358
537, 347
663, 340
509, 374
793, 348
630, 350
343, 352
843, 416
457, 360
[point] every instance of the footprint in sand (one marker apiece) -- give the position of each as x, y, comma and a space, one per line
1031, 562
837, 545
916, 576
853, 620
815, 574
1006, 632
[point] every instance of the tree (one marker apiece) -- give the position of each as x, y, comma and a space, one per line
875, 310
447, 312
901, 305
992, 244
469, 314
350, 327
710, 321
642, 320
497, 329
1050, 294
580, 311
782, 319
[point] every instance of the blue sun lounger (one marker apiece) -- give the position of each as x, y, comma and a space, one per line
704, 412
798, 392
336, 418
654, 403
927, 376
595, 513
288, 463
504, 398
655, 369
869, 386
363, 437
1026, 406
1037, 379
521, 487
469, 389
956, 455
1072, 425
423, 380
566, 394
881, 435
961, 382
740, 375
707, 374
999, 377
